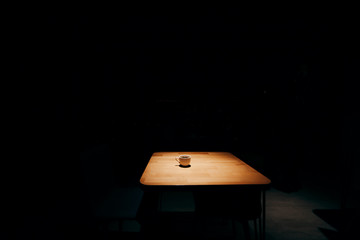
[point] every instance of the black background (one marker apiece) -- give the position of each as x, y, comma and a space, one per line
279, 85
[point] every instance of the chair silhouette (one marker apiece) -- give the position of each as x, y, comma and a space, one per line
242, 205
107, 200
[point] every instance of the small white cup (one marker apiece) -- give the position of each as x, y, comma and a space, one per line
184, 160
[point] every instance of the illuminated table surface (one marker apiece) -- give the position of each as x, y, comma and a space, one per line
207, 169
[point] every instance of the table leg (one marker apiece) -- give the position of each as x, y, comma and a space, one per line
262, 228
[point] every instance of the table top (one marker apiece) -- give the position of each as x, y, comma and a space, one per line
207, 168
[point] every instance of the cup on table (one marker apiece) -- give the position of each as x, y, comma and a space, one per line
184, 160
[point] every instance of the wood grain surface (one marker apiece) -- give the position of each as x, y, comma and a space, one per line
207, 168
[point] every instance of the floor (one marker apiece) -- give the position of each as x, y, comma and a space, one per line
302, 214
291, 215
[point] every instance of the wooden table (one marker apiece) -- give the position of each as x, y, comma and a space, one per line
208, 169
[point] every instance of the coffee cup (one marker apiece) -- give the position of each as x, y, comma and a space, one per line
184, 160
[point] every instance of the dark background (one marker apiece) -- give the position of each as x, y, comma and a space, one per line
278, 86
